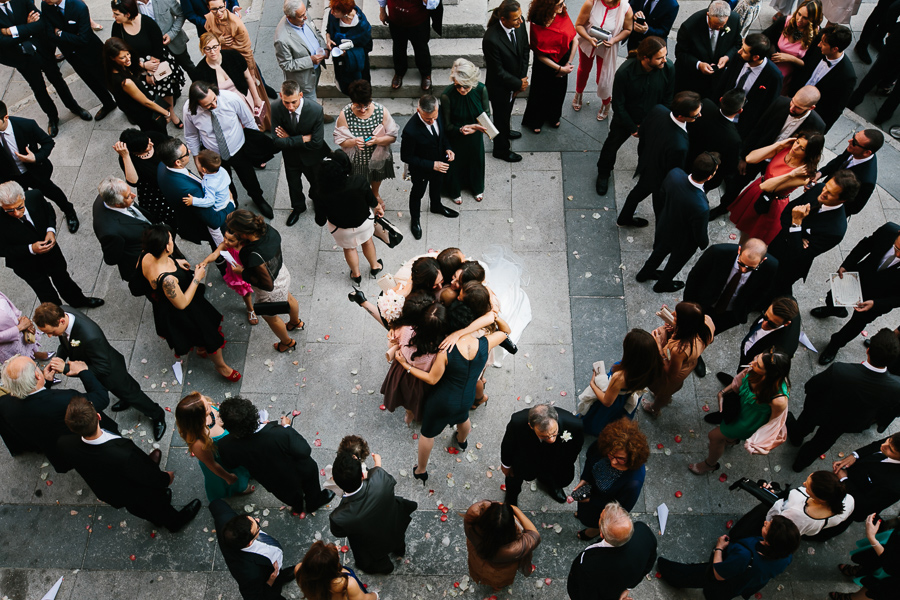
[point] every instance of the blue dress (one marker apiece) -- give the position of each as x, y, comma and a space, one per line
599, 416
453, 395
216, 487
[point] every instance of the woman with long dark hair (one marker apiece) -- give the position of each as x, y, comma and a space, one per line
321, 577
499, 540
131, 93
552, 43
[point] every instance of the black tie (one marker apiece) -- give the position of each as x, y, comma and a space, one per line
827, 62
743, 79
728, 293
268, 540
512, 36
294, 118
8, 154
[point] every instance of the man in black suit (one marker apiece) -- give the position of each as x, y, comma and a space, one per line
118, 472
25, 158
662, 146
707, 43
82, 339
872, 476
779, 325
877, 25
885, 69
424, 146
24, 46
33, 417
540, 443
811, 225
68, 25
299, 128
119, 225
859, 158
371, 539
652, 17
830, 71
715, 131
506, 54
254, 558
275, 454
683, 220
28, 242
176, 182
759, 78
728, 280
784, 118
877, 260
619, 562
874, 391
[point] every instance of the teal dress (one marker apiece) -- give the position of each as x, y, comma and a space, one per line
216, 487
467, 169
752, 416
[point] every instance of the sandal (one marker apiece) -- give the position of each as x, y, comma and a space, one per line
479, 401
479, 197
849, 570
576, 102
292, 326
235, 376
457, 200
250, 489
702, 467
604, 112
583, 536
252, 318
284, 347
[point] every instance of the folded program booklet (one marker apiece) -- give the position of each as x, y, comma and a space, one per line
846, 291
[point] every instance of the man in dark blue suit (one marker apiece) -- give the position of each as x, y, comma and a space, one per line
752, 71
681, 226
68, 24
652, 17
176, 182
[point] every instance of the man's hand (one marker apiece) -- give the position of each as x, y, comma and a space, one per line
280, 132
640, 27
864, 306
382, 15
188, 200
705, 68
28, 157
76, 367
48, 373
317, 58
451, 156
274, 575
50, 238
306, 138
441, 166
798, 213
524, 84
722, 62
166, 39
121, 149
34, 16
183, 264
805, 243
171, 476
742, 167
507, 471
841, 271
41, 247
57, 364
722, 542
842, 465
376, 458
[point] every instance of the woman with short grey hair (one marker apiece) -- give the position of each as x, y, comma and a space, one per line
463, 101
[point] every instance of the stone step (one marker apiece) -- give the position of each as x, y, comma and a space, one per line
443, 52
463, 20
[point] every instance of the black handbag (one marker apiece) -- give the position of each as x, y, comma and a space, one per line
270, 309
731, 407
387, 232
762, 204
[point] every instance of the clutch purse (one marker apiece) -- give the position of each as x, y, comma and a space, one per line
28, 337
582, 493
600, 34
270, 309
162, 71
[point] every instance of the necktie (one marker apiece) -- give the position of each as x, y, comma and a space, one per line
512, 36
24, 221
743, 79
827, 62
8, 151
713, 39
64, 340
268, 540
294, 118
220, 136
6, 8
136, 214
887, 262
728, 293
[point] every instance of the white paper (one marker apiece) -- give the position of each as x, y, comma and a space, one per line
485, 121
804, 339
663, 512
51, 595
231, 260
846, 291
176, 369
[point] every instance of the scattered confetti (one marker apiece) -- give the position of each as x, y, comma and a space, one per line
723, 477
729, 523
345, 549
732, 236
659, 446
443, 518
132, 557
382, 407
706, 408
677, 439
678, 494
318, 443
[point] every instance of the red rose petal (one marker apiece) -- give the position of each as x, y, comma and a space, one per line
706, 408
415, 436
658, 576
548, 581
345, 549
443, 518
109, 526
456, 584
327, 337
732, 237
49, 483
729, 524
723, 477
382, 407
822, 457
502, 487
318, 443
757, 595
322, 472
659, 446
678, 494
294, 413
153, 534
570, 499
168, 409
133, 557
678, 439
562, 393
444, 510
533, 568
302, 515
865, 334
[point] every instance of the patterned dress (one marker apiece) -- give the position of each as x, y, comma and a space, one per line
366, 128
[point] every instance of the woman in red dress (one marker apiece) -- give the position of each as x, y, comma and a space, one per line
792, 162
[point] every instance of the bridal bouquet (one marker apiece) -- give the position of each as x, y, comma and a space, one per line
390, 305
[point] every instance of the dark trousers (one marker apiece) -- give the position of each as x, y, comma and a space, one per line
241, 164
825, 438
310, 493
750, 525
678, 257
421, 180
617, 136
49, 189
886, 66
646, 186
33, 72
501, 107
683, 575
91, 72
159, 511
853, 327
875, 25
418, 36
129, 391
736, 184
555, 478
53, 277
184, 61
723, 321
294, 170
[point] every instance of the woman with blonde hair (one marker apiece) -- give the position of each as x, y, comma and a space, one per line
197, 419
616, 19
462, 101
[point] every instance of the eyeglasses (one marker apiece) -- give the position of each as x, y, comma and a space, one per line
460, 86
770, 321
14, 209
748, 267
218, 9
617, 459
185, 155
212, 48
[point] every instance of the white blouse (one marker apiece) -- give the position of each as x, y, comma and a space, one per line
794, 508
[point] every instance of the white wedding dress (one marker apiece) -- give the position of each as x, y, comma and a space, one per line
505, 276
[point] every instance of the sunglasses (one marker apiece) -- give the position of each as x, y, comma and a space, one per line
748, 267
14, 209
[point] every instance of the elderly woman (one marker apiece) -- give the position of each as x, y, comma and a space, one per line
132, 93
232, 34
365, 131
349, 212
792, 38
347, 23
616, 19
229, 70
139, 162
463, 100
264, 269
614, 471
552, 36
500, 540
18, 334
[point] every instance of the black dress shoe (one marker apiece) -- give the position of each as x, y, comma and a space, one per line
867, 342
672, 286
90, 302
156, 456
159, 428
293, 217
443, 210
828, 355
512, 499
823, 312
511, 157
514, 135
602, 185
265, 209
186, 515
72, 222
862, 51
643, 275
724, 378
632, 222
81, 113
791, 425
700, 369
120, 406
374, 272
717, 212
53, 128
509, 346
416, 229
324, 498
559, 495
101, 114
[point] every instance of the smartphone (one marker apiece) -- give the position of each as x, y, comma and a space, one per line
640, 20
257, 110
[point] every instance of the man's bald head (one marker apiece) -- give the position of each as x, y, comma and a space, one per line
805, 100
20, 376
615, 525
754, 249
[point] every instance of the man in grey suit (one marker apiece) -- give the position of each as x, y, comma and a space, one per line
170, 18
300, 49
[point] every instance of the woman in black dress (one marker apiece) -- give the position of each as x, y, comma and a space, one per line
131, 93
145, 39
139, 161
183, 316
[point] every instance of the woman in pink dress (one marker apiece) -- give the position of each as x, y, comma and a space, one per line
792, 163
793, 37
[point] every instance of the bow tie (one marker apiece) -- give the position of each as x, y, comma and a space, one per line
827, 62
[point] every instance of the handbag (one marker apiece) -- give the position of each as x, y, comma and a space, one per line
387, 232
28, 337
731, 407
600, 34
162, 71
762, 204
270, 309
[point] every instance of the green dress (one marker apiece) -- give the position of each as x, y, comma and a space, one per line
753, 415
216, 487
467, 169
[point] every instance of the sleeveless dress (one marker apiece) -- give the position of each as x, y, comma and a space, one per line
402, 390
454, 394
216, 487
611, 19
198, 324
752, 416
745, 217
366, 128
599, 416
787, 69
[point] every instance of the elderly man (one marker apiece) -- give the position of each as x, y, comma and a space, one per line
619, 562
707, 41
81, 339
28, 242
119, 225
222, 121
32, 416
299, 48
540, 443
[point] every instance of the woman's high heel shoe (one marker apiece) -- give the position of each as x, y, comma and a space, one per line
357, 280
235, 376
702, 467
423, 477
462, 445
375, 272
357, 296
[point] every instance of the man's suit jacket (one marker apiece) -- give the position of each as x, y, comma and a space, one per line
37, 422
866, 173
709, 276
32, 40
836, 86
693, 45
295, 57
881, 286
76, 37
875, 397
195, 11
763, 92
88, 343
659, 20
250, 570
713, 132
120, 238
29, 135
683, 221
786, 338
311, 121
505, 64
874, 485
420, 148
662, 146
374, 521
169, 15
769, 125
16, 236
529, 457
176, 186
604, 573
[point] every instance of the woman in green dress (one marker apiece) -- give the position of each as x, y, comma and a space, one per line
199, 426
461, 102
763, 390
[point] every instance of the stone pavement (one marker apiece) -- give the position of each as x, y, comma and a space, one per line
584, 300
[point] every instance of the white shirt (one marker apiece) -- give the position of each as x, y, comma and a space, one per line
791, 124
697, 185
677, 122
889, 254
297, 112
754, 74
233, 115
870, 367
105, 436
186, 172
600, 544
30, 220
10, 136
347, 495
6, 7
146, 8
822, 69
822, 209
273, 553
758, 335
71, 318
125, 212
433, 128
858, 161
508, 30
744, 277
